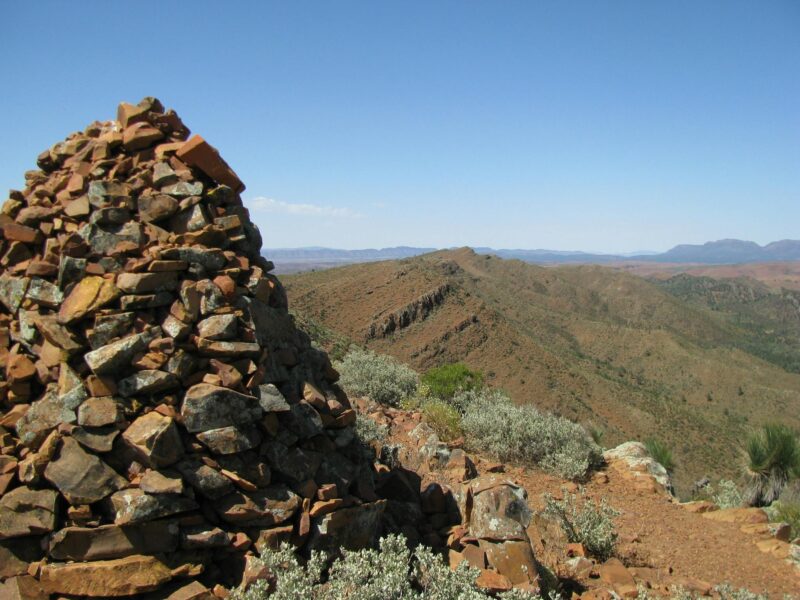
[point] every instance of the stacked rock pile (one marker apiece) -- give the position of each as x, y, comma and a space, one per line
161, 417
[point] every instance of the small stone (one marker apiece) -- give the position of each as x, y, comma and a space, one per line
198, 153
352, 528
15, 232
207, 481
614, 573
183, 189
97, 412
106, 241
163, 175
134, 505
12, 291
140, 136
147, 381
192, 219
266, 507
108, 193
78, 208
207, 406
175, 328
218, 327
108, 327
44, 293
25, 512
99, 439
157, 482
493, 582
194, 538
88, 295
155, 439
82, 477
228, 349
211, 259
144, 301
118, 355
19, 368
157, 208
271, 399
230, 440
145, 283
46, 414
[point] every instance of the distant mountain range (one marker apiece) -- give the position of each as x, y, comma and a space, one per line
720, 252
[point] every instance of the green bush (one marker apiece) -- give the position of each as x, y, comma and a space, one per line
445, 381
661, 453
585, 522
773, 459
382, 378
443, 418
391, 573
494, 425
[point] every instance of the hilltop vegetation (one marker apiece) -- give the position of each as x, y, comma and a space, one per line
635, 359
763, 321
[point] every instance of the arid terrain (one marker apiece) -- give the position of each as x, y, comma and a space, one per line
591, 343
777, 275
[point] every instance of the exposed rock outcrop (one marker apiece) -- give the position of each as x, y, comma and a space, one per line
414, 311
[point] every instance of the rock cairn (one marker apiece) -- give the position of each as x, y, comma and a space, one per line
161, 417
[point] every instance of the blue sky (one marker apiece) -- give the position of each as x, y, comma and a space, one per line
599, 126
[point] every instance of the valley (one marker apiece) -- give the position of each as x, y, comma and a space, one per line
636, 358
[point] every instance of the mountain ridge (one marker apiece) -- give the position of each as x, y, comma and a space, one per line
588, 342
725, 251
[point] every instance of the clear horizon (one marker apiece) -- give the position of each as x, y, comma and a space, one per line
596, 127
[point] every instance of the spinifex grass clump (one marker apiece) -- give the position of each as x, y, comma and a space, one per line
773, 460
661, 453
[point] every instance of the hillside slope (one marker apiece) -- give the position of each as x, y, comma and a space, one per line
590, 343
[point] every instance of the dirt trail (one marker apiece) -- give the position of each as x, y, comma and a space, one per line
659, 534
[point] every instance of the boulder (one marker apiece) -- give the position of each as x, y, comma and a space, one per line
81, 477
499, 510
